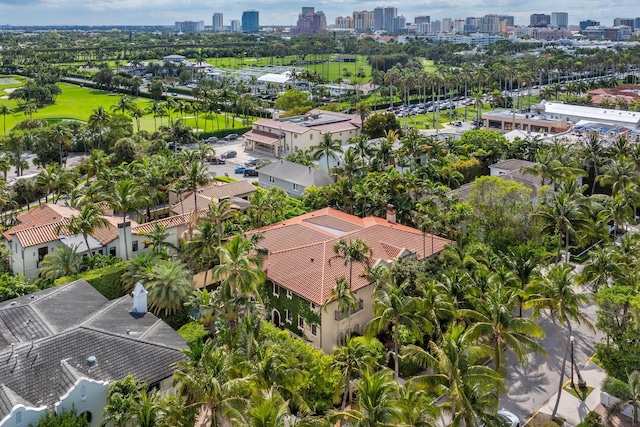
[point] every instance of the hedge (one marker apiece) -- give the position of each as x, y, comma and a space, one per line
105, 280
193, 332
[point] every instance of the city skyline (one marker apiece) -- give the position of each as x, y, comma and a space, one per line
164, 12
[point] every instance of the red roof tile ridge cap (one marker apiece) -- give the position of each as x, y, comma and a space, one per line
295, 248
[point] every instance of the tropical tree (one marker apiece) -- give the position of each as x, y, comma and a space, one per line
556, 294
5, 110
169, 284
328, 147
347, 302
633, 400
64, 261
352, 360
125, 197
89, 219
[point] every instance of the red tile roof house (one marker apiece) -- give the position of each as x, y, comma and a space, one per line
302, 268
43, 229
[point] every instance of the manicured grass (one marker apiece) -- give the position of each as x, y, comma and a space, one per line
577, 392
428, 65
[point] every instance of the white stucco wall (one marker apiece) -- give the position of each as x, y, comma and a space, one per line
87, 396
22, 416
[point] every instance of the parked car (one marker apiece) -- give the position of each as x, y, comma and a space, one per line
252, 162
218, 161
250, 172
510, 419
174, 94
231, 137
457, 123
211, 139
239, 169
228, 154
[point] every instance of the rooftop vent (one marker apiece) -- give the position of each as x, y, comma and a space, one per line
91, 361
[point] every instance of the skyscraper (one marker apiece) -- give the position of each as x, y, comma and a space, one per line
390, 13
307, 10
422, 19
378, 18
490, 24
250, 21
559, 19
189, 26
539, 20
629, 22
236, 26
363, 20
218, 23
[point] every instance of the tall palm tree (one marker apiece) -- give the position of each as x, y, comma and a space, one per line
98, 121
353, 251
457, 373
5, 110
86, 222
125, 197
195, 175
352, 361
327, 147
202, 248
124, 103
266, 408
393, 308
347, 301
603, 265
618, 174
556, 293
633, 400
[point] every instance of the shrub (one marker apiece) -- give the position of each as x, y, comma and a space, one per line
616, 388
593, 419
105, 280
193, 332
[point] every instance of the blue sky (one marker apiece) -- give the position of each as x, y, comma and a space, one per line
150, 12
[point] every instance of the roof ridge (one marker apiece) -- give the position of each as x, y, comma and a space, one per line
102, 309
321, 242
127, 337
42, 318
153, 327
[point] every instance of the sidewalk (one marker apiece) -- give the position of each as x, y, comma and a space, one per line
572, 409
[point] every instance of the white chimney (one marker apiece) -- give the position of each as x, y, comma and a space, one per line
139, 299
391, 213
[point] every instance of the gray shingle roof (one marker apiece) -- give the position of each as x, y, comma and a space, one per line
54, 332
296, 173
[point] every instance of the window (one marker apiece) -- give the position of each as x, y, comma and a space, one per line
289, 294
272, 180
313, 306
134, 246
300, 322
18, 417
42, 252
112, 251
295, 136
288, 316
314, 330
146, 244
276, 290
295, 186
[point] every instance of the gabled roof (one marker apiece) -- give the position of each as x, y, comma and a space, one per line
216, 192
46, 338
511, 164
166, 223
296, 173
307, 242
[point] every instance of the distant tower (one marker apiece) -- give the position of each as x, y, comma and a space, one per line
218, 23
250, 21
559, 19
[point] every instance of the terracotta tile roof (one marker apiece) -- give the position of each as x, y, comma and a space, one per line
41, 215
188, 205
267, 138
301, 256
166, 223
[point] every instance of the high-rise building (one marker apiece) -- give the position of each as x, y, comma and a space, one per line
218, 23
447, 25
539, 20
236, 26
189, 26
422, 19
398, 24
307, 10
458, 25
363, 20
250, 21
490, 24
508, 18
344, 22
629, 22
378, 18
588, 23
311, 23
390, 13
559, 19
471, 25
637, 23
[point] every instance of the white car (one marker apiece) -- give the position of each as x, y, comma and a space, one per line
510, 419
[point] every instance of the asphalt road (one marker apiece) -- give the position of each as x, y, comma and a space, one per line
530, 387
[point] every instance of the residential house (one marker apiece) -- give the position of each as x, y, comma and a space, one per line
302, 269
238, 192
41, 230
286, 135
293, 178
61, 347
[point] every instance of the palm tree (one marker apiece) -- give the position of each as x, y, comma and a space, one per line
156, 239
196, 174
377, 402
363, 111
64, 261
493, 320
169, 284
354, 251
5, 110
89, 218
347, 302
98, 121
603, 264
393, 308
328, 147
618, 174
123, 104
267, 408
202, 248
556, 293
457, 373
351, 360
208, 381
565, 215
126, 196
